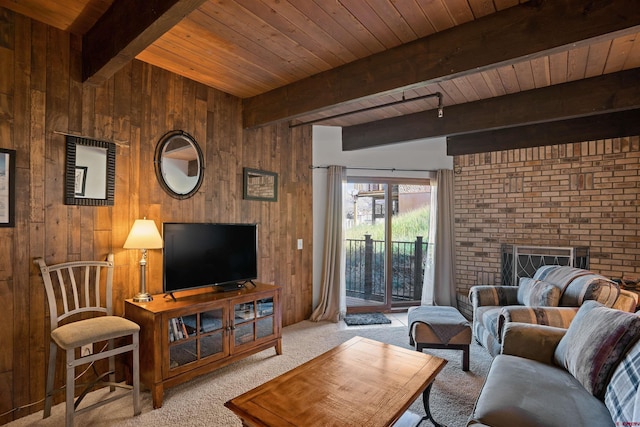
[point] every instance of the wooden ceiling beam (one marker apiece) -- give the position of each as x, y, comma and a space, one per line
126, 29
522, 32
611, 125
581, 98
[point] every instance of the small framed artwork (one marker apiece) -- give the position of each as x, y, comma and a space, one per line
80, 180
7, 187
260, 185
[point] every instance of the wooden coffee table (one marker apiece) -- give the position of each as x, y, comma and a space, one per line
360, 382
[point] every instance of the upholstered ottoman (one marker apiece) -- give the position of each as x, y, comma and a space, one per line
439, 327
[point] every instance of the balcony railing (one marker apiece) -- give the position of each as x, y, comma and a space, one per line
364, 269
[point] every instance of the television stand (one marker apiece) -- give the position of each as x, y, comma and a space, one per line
198, 333
227, 287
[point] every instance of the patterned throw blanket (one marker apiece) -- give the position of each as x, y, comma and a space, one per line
445, 321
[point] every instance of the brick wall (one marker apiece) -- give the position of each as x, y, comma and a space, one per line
580, 194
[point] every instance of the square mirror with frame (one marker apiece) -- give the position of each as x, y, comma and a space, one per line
90, 172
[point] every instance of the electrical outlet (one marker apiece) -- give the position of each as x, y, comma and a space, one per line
86, 350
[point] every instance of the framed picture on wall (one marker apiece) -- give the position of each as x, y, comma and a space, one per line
260, 185
7, 187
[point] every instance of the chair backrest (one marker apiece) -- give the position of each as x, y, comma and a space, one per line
77, 287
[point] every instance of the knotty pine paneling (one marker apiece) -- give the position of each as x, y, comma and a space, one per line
41, 96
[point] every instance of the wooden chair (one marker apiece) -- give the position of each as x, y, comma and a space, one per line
73, 290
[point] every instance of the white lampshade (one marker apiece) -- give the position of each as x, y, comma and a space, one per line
143, 235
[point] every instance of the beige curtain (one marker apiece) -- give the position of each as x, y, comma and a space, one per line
439, 286
332, 304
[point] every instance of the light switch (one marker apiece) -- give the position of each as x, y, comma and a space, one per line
299, 244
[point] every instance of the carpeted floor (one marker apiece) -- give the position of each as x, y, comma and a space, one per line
200, 401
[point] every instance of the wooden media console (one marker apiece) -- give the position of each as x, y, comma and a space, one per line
195, 334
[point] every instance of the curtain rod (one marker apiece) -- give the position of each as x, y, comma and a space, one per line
119, 144
375, 169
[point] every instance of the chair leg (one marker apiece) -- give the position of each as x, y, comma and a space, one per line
70, 379
51, 374
465, 357
71, 388
136, 375
112, 369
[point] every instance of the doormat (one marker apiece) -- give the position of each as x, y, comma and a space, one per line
366, 319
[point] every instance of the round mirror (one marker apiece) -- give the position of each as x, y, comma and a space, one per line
179, 164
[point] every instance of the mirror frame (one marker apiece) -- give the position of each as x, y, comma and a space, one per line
166, 139
70, 172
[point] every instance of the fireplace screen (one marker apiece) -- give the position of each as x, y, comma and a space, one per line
523, 261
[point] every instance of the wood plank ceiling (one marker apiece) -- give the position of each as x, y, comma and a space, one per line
307, 60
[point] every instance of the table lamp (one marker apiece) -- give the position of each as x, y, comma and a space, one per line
143, 235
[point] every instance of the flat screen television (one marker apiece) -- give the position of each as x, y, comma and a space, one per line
207, 254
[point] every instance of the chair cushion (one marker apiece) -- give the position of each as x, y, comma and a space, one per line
594, 344
92, 330
537, 293
623, 395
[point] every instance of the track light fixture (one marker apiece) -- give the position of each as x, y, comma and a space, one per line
375, 107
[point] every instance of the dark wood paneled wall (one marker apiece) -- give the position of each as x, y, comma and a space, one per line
41, 94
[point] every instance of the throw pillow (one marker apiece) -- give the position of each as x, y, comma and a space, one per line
594, 344
623, 392
537, 293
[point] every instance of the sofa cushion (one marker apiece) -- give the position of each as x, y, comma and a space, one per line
578, 285
486, 339
623, 394
594, 344
485, 327
559, 275
487, 316
526, 393
537, 293
590, 287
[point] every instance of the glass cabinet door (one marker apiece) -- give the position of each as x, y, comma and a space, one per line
264, 323
211, 332
244, 315
196, 336
183, 349
253, 320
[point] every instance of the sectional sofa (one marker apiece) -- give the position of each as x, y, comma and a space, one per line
552, 298
586, 375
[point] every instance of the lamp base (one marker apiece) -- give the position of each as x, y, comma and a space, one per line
142, 297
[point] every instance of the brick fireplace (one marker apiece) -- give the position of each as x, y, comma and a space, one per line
572, 195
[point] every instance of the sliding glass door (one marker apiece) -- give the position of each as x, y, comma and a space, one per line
386, 229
